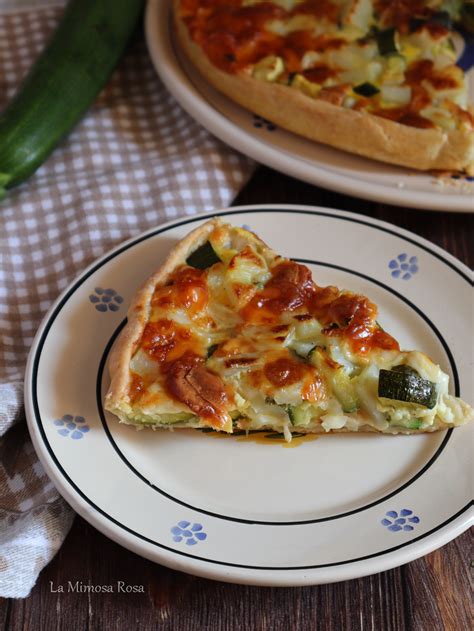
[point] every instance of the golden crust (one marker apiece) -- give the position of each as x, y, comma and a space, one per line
138, 313
357, 132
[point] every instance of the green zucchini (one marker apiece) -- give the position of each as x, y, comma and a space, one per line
467, 17
440, 18
413, 424
301, 414
290, 410
75, 65
364, 89
454, 8
403, 383
211, 350
203, 257
386, 41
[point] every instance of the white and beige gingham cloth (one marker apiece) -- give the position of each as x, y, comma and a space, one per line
136, 160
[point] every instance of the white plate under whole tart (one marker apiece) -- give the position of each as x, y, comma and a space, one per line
293, 155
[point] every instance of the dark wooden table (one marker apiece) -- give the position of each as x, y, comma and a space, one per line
432, 593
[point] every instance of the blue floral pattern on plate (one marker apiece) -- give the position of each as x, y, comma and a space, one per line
73, 426
106, 299
403, 266
190, 533
404, 520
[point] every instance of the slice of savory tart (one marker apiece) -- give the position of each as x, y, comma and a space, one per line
229, 335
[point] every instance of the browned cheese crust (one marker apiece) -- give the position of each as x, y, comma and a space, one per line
138, 315
357, 132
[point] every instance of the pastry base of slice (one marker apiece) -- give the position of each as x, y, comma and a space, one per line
357, 132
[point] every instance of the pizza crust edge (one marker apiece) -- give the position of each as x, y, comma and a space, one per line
357, 132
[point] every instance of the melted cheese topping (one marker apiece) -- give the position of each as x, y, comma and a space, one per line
331, 50
253, 341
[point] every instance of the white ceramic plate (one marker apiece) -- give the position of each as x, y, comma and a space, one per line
329, 509
288, 153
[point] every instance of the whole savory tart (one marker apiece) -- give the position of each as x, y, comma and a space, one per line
228, 334
373, 77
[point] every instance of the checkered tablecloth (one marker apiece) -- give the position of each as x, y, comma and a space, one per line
136, 160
